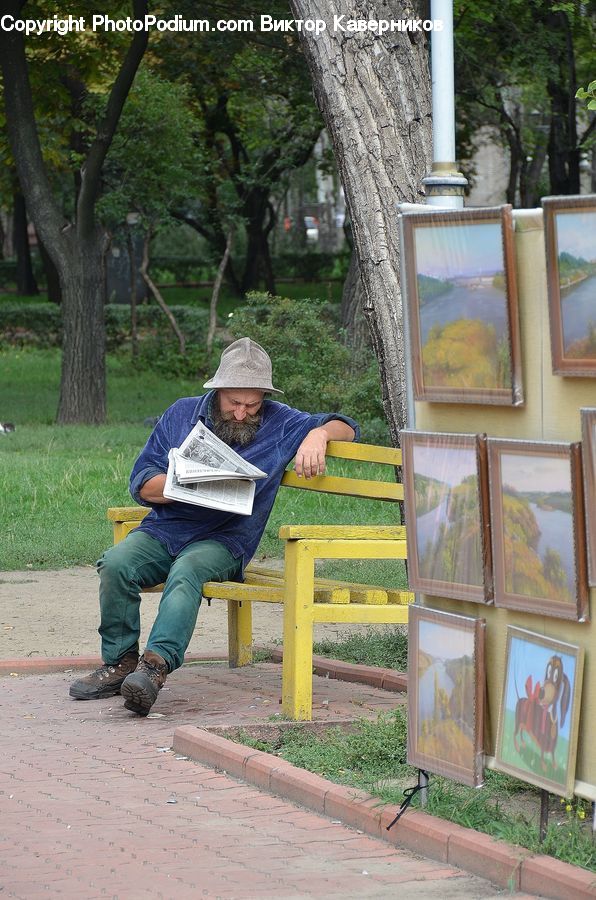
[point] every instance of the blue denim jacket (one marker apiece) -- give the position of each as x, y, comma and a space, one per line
175, 525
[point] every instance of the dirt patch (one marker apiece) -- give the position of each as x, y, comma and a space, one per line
55, 613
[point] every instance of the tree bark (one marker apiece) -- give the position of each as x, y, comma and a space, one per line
352, 319
26, 283
76, 248
374, 94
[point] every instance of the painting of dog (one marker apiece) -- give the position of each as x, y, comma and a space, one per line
539, 716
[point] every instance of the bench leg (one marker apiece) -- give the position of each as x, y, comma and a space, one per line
239, 633
298, 623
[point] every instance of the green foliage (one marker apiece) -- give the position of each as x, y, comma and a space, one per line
316, 371
153, 161
373, 750
387, 648
588, 94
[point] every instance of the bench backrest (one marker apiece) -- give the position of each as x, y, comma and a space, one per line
125, 518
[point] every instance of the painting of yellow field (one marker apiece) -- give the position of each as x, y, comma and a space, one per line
464, 290
445, 700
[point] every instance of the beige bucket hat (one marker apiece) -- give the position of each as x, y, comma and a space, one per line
244, 364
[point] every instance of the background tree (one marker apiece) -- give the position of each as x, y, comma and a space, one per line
75, 242
152, 167
257, 123
518, 65
374, 94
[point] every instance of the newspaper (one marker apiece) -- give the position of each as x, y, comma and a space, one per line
206, 472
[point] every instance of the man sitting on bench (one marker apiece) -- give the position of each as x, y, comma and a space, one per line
185, 545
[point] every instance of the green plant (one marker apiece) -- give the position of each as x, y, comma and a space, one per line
316, 370
387, 649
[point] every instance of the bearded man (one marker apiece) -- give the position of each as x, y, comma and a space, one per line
184, 545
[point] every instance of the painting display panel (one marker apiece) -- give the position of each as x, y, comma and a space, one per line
570, 233
446, 690
537, 512
461, 301
589, 462
446, 513
539, 714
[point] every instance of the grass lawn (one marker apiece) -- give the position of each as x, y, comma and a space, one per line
57, 482
373, 757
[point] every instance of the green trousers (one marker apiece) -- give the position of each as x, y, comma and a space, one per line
141, 561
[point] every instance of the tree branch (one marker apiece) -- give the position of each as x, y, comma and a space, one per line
91, 169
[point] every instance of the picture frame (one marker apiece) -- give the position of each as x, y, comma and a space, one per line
538, 529
446, 694
462, 308
588, 420
446, 498
538, 721
570, 236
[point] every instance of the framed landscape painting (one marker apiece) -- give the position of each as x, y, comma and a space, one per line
539, 713
537, 513
570, 233
446, 693
447, 516
589, 461
461, 302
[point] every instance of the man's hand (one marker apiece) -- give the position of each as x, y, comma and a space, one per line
310, 456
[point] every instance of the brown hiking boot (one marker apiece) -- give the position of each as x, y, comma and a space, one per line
140, 689
105, 681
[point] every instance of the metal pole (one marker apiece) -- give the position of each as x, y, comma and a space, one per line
445, 185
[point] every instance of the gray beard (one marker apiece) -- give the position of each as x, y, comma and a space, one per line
232, 432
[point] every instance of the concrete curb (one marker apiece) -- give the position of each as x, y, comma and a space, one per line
386, 679
47, 664
505, 865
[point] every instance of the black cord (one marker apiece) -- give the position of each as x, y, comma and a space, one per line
409, 795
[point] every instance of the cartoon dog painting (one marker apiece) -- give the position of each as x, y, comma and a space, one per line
543, 711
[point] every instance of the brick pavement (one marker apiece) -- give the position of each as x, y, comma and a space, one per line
95, 803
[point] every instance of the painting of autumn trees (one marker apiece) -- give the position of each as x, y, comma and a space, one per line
446, 701
444, 487
462, 306
538, 529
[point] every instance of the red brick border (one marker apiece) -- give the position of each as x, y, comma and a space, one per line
504, 864
387, 679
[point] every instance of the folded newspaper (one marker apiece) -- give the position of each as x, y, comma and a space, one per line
206, 472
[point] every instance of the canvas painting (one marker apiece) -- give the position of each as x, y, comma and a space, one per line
570, 232
446, 690
539, 551
589, 462
446, 508
539, 715
461, 300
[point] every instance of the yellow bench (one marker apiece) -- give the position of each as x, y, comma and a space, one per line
306, 598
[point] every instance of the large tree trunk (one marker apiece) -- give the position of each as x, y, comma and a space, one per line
83, 377
258, 267
352, 319
374, 94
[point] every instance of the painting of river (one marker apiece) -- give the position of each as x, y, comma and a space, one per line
445, 704
443, 515
534, 527
538, 719
570, 226
461, 313
588, 416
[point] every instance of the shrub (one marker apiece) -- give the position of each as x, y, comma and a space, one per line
310, 363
